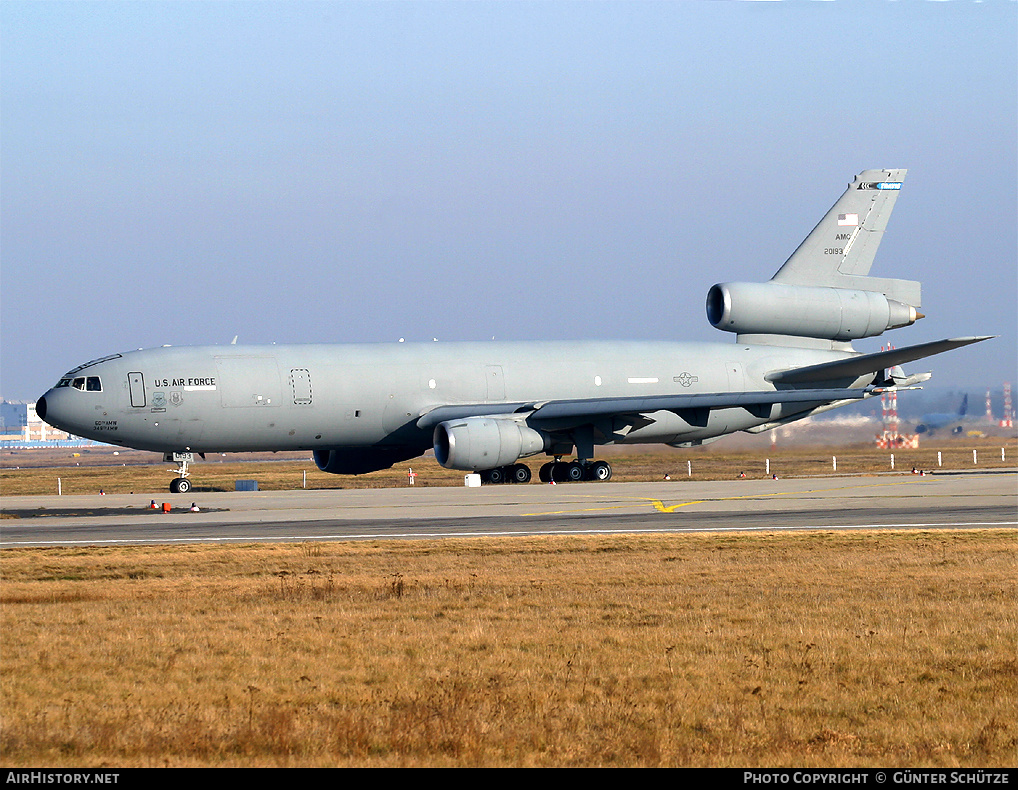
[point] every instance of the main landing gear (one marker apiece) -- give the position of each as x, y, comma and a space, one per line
574, 471
517, 473
557, 470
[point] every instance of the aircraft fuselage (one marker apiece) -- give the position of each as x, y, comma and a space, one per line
313, 397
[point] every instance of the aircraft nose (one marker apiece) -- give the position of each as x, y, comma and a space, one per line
52, 409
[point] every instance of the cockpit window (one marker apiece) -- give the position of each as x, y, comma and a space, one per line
83, 383
87, 384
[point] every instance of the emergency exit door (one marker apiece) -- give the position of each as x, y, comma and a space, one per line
300, 382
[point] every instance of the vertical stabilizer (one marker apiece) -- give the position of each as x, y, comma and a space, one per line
840, 250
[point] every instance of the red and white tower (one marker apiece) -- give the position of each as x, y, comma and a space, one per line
889, 405
1008, 421
891, 438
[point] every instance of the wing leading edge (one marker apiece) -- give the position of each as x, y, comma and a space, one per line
572, 412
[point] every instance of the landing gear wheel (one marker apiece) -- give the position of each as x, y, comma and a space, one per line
180, 485
544, 473
574, 472
519, 473
497, 476
600, 470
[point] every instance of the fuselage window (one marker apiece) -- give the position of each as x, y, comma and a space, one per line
63, 383
93, 384
79, 383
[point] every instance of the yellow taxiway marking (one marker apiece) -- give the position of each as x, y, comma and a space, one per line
661, 507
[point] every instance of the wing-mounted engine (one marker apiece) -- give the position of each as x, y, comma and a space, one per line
805, 311
477, 443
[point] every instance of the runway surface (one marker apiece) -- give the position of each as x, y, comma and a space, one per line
941, 501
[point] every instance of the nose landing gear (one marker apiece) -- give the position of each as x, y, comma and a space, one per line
180, 485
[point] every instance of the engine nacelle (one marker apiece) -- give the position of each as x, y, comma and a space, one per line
804, 311
476, 443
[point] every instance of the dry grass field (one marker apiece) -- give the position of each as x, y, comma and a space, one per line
31, 472
848, 649
823, 649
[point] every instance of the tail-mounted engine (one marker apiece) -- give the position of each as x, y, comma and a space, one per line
804, 311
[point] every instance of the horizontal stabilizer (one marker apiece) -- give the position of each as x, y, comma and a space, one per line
854, 367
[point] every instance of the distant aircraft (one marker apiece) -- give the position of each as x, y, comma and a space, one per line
484, 406
930, 423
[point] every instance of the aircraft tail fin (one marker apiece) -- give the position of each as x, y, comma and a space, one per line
823, 296
839, 252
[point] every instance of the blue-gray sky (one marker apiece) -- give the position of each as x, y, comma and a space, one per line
186, 172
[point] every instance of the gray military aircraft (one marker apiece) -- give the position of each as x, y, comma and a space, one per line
484, 406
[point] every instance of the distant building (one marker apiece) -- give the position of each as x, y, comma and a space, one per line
20, 427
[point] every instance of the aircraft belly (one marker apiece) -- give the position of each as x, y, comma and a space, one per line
255, 432
347, 424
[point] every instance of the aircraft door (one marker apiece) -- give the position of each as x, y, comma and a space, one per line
136, 384
736, 377
495, 384
300, 383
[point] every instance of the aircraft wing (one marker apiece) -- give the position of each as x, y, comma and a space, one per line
604, 407
570, 412
853, 367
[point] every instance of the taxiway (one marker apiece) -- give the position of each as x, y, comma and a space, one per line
940, 501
